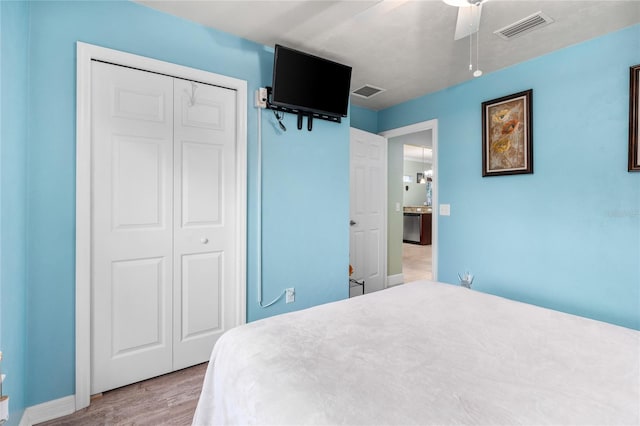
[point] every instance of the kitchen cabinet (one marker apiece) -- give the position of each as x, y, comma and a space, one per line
417, 228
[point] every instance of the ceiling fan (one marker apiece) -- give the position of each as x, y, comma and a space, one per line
468, 23
469, 12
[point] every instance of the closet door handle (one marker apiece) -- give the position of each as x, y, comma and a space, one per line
204, 240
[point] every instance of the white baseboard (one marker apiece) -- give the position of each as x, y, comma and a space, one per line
395, 280
48, 411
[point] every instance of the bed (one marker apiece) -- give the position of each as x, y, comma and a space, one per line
424, 353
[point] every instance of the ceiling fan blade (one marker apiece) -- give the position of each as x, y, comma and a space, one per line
468, 21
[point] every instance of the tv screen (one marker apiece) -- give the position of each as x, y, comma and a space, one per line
307, 83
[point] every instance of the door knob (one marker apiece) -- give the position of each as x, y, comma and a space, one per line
352, 222
204, 240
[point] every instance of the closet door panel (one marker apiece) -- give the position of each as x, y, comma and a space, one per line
204, 218
201, 290
202, 169
132, 226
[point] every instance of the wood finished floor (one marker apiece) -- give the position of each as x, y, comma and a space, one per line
416, 262
166, 400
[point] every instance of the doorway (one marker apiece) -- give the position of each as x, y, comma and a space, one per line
413, 195
417, 206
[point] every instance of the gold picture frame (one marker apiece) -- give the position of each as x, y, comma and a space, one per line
634, 119
507, 135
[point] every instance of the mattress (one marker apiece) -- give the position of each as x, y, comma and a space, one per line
424, 353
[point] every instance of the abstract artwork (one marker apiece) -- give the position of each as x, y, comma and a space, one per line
507, 138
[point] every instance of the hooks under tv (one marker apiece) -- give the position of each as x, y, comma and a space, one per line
300, 113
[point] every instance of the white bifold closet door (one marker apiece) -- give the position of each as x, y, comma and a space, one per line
163, 220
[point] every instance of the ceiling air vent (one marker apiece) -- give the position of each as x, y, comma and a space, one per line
530, 23
367, 91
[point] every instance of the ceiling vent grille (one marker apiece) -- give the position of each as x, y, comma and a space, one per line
367, 91
530, 23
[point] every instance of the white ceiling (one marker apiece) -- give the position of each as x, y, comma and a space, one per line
405, 46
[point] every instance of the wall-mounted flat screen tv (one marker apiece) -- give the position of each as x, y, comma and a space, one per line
307, 83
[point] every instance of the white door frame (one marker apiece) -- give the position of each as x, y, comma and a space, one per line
414, 128
85, 54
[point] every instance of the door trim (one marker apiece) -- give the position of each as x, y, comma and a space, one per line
85, 54
414, 128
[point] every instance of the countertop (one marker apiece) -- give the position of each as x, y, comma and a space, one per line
417, 209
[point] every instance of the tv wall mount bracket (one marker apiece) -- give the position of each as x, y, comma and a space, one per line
301, 114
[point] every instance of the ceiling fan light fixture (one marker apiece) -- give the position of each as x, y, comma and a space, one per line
457, 3
463, 3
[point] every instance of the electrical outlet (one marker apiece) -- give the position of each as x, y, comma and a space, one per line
261, 97
290, 295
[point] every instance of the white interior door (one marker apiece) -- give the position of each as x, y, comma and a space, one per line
132, 246
164, 252
368, 189
204, 224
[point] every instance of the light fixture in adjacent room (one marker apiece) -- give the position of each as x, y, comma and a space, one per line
423, 179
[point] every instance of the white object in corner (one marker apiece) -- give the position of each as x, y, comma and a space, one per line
48, 411
4, 400
4, 408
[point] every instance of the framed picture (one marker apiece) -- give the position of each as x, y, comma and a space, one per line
634, 120
419, 177
507, 135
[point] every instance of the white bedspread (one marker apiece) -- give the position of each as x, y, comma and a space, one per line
424, 353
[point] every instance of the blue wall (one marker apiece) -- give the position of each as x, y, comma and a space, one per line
568, 236
305, 214
364, 119
13, 137
306, 203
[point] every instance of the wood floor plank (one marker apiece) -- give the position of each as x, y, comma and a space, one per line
166, 400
